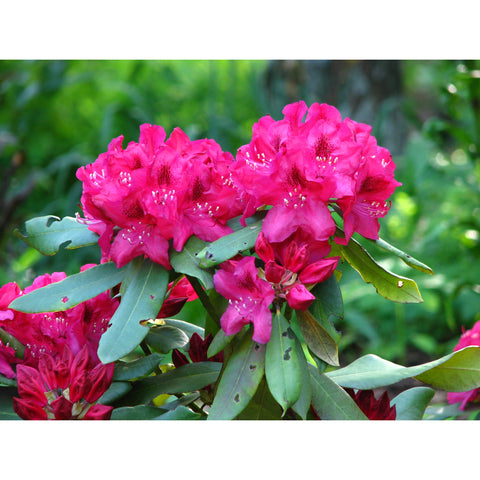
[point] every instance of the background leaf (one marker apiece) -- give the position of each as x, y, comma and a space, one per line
70, 291
166, 338
142, 300
48, 234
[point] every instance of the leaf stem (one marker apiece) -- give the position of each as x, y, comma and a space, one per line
204, 298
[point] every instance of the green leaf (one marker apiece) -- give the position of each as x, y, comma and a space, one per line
187, 327
11, 341
48, 234
282, 367
389, 285
239, 380
186, 378
6, 403
187, 261
302, 405
219, 342
262, 406
456, 372
139, 412
330, 401
165, 338
328, 305
230, 245
180, 413
114, 392
137, 368
8, 382
411, 404
405, 257
142, 300
317, 338
70, 291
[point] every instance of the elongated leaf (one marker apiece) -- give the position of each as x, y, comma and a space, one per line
220, 341
186, 378
302, 405
115, 391
389, 285
48, 234
327, 307
6, 403
70, 291
228, 246
11, 341
187, 261
317, 338
330, 401
143, 299
239, 380
180, 413
262, 406
139, 412
137, 368
5, 381
282, 367
411, 404
166, 338
456, 372
187, 327
405, 257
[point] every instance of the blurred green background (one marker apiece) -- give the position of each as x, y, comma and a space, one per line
58, 115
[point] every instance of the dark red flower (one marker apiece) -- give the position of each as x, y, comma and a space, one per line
374, 409
197, 351
64, 387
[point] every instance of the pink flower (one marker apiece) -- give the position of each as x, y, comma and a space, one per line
64, 387
177, 296
301, 167
249, 298
291, 269
154, 191
50, 332
468, 338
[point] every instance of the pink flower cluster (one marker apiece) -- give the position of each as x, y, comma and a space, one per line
60, 354
139, 198
156, 192
467, 339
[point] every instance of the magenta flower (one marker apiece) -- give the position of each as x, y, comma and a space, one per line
50, 332
301, 167
63, 387
291, 269
154, 191
468, 338
249, 298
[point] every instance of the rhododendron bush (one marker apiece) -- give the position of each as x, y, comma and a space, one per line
256, 241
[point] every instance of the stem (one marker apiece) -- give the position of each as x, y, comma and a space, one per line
208, 305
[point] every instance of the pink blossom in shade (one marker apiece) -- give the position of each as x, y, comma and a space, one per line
50, 332
63, 387
249, 298
291, 269
467, 339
